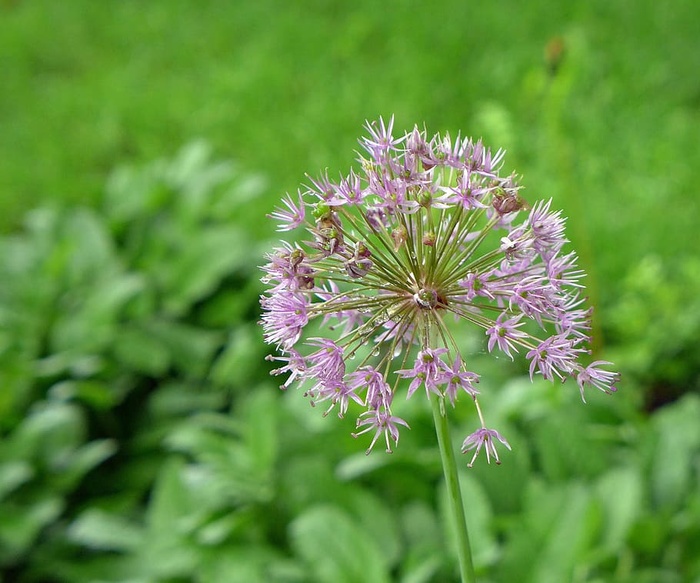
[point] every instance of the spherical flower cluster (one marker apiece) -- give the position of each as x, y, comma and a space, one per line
425, 236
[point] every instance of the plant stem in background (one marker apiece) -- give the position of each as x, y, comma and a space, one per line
454, 494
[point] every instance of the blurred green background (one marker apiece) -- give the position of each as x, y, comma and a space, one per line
141, 145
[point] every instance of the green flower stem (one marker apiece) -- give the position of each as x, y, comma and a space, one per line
449, 466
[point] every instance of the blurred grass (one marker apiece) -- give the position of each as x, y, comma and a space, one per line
285, 87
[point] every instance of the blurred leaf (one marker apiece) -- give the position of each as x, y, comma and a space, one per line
657, 297
89, 247
426, 552
250, 564
232, 464
234, 304
170, 502
97, 529
83, 459
180, 399
421, 526
307, 477
130, 193
648, 533
196, 178
375, 517
171, 518
21, 525
200, 265
477, 510
136, 348
621, 495
563, 444
191, 348
51, 432
93, 567
359, 464
170, 217
678, 432
558, 528
335, 548
69, 364
569, 537
88, 323
216, 531
421, 570
95, 394
261, 430
241, 358
97, 310
13, 474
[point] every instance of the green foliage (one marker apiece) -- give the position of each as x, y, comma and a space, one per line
141, 440
112, 327
336, 548
655, 325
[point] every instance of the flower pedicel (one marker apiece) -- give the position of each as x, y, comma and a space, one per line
428, 232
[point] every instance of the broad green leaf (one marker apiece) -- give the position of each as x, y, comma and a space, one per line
93, 567
69, 364
231, 304
21, 525
649, 532
335, 548
215, 532
14, 473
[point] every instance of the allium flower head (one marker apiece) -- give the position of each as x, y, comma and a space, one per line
426, 235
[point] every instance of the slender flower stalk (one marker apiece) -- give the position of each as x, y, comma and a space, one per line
454, 494
426, 235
